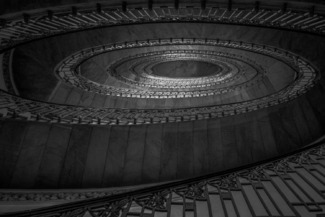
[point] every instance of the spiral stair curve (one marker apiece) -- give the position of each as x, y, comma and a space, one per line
162, 108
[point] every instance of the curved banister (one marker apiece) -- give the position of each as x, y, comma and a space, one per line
17, 107
195, 191
46, 23
227, 180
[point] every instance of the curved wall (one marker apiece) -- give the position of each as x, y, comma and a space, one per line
44, 155
34, 63
48, 155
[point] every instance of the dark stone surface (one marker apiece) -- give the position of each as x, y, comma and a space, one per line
289, 123
313, 122
185, 152
34, 63
76, 156
74, 97
168, 161
96, 67
61, 94
115, 158
43, 155
33, 70
60, 156
229, 146
11, 138
134, 155
254, 137
283, 142
266, 131
301, 123
242, 135
152, 153
30, 156
98, 101
96, 157
316, 99
87, 99
200, 148
216, 157
185, 69
53, 158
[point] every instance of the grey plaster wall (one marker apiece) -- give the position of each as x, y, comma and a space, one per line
41, 155
34, 63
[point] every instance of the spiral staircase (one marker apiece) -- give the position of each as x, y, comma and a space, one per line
162, 108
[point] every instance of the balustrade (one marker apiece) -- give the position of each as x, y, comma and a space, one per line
292, 185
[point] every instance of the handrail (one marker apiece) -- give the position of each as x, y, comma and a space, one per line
191, 188
227, 180
30, 28
67, 70
17, 107
77, 80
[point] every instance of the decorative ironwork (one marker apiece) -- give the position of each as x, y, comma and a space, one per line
303, 158
281, 165
306, 73
28, 109
226, 184
299, 21
255, 173
74, 213
319, 152
62, 23
112, 210
48, 112
155, 201
18, 108
148, 80
194, 191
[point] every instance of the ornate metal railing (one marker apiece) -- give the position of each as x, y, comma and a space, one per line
15, 32
79, 81
147, 79
30, 27
68, 73
290, 185
16, 107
